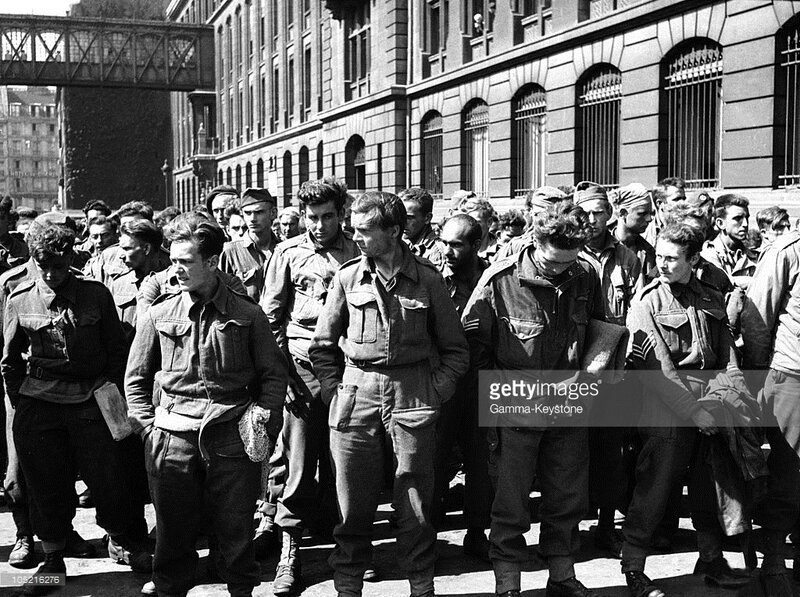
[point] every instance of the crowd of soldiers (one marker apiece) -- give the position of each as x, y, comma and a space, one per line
281, 370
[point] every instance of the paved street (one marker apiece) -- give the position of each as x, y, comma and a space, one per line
456, 574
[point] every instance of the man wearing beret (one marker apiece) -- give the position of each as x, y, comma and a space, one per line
218, 199
248, 257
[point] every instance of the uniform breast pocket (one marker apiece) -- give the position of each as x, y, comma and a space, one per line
676, 331
520, 342
44, 337
363, 307
415, 318
175, 344
231, 341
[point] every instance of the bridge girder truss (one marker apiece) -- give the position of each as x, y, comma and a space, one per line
88, 52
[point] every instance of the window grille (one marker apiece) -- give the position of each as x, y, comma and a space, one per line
694, 108
790, 64
528, 141
599, 105
475, 164
432, 154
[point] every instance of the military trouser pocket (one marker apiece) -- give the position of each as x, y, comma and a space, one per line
341, 407
156, 444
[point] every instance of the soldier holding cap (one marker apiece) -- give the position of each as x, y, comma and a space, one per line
248, 257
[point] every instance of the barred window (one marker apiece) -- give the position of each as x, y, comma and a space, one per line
355, 165
475, 148
528, 134
789, 99
693, 106
597, 143
432, 154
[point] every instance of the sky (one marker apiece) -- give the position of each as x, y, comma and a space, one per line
36, 7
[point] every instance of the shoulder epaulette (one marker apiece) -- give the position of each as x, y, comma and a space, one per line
499, 266
424, 261
14, 272
655, 283
351, 262
164, 296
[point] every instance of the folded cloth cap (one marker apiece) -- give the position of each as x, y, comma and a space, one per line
544, 197
588, 191
251, 196
631, 197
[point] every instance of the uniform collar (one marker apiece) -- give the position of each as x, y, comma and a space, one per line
528, 273
219, 300
611, 242
408, 267
68, 290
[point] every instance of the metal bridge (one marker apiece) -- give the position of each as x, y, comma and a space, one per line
89, 52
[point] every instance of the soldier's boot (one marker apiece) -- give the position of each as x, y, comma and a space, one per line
774, 578
288, 576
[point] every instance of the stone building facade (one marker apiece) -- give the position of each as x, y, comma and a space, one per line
29, 169
495, 96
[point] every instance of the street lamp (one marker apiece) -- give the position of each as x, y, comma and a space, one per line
166, 170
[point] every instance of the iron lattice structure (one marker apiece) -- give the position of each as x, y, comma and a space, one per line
89, 52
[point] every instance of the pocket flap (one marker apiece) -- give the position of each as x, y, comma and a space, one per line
717, 314
524, 329
361, 299
173, 328
89, 317
414, 303
242, 323
672, 320
34, 322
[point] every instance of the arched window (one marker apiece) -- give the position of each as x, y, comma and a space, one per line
239, 178
528, 140
431, 153
248, 175
220, 177
229, 178
475, 148
692, 109
302, 165
320, 160
287, 178
597, 138
260, 173
355, 164
787, 105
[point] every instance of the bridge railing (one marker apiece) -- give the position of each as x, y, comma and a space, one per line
70, 51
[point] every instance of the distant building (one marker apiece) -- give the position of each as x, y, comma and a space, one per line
29, 169
495, 96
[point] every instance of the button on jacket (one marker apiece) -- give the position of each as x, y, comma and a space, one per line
210, 361
74, 336
772, 311
618, 269
389, 328
298, 277
665, 338
518, 319
245, 260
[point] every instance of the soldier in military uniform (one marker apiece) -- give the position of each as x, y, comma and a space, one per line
619, 270
460, 240
679, 330
22, 554
385, 315
212, 354
249, 257
75, 342
298, 278
530, 312
634, 210
419, 234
